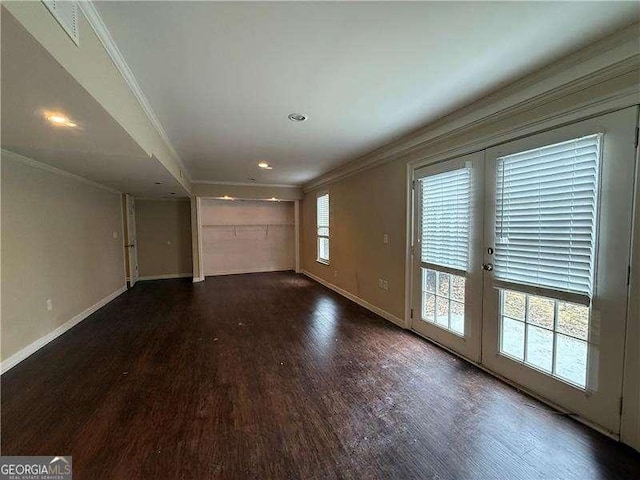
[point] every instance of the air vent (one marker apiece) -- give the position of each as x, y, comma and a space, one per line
66, 13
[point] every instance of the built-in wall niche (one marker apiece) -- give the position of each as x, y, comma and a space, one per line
244, 236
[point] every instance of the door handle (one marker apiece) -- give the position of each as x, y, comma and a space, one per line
487, 266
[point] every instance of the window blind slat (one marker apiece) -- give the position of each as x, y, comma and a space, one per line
546, 203
446, 200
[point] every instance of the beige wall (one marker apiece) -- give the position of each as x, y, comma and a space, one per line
163, 229
363, 208
57, 243
367, 204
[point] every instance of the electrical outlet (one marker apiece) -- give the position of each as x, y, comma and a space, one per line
335, 273
49, 304
383, 284
115, 235
385, 239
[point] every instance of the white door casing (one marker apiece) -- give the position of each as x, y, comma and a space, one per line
131, 244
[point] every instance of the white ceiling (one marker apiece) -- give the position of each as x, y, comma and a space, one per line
222, 77
99, 149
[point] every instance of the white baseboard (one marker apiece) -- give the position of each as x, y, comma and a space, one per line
17, 357
166, 276
241, 272
363, 303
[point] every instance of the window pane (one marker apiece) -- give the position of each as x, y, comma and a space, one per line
513, 304
573, 320
457, 288
443, 284
442, 312
539, 347
457, 317
429, 307
323, 248
429, 277
541, 311
571, 359
512, 342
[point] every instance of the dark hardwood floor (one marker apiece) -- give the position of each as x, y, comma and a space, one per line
272, 376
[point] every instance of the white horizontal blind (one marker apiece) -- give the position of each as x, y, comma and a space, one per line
323, 215
546, 205
322, 224
446, 201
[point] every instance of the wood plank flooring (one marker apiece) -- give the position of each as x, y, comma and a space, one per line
272, 376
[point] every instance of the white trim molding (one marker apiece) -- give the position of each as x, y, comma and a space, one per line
103, 34
9, 155
32, 348
612, 57
167, 276
363, 303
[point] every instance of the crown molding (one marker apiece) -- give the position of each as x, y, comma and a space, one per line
16, 157
243, 184
605, 60
103, 34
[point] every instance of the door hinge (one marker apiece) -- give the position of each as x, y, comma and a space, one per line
412, 313
413, 185
621, 406
637, 136
628, 274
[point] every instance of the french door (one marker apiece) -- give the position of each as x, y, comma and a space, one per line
546, 244
447, 273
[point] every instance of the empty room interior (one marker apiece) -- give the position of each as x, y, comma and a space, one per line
320, 240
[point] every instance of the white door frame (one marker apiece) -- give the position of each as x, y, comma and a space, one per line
600, 401
131, 240
469, 345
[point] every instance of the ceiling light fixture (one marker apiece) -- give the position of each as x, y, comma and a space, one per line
297, 117
227, 197
265, 166
59, 120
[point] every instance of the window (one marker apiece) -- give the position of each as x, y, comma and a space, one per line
547, 334
445, 218
322, 224
546, 213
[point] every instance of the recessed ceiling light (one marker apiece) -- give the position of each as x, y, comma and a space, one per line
59, 120
265, 166
227, 197
273, 199
297, 117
